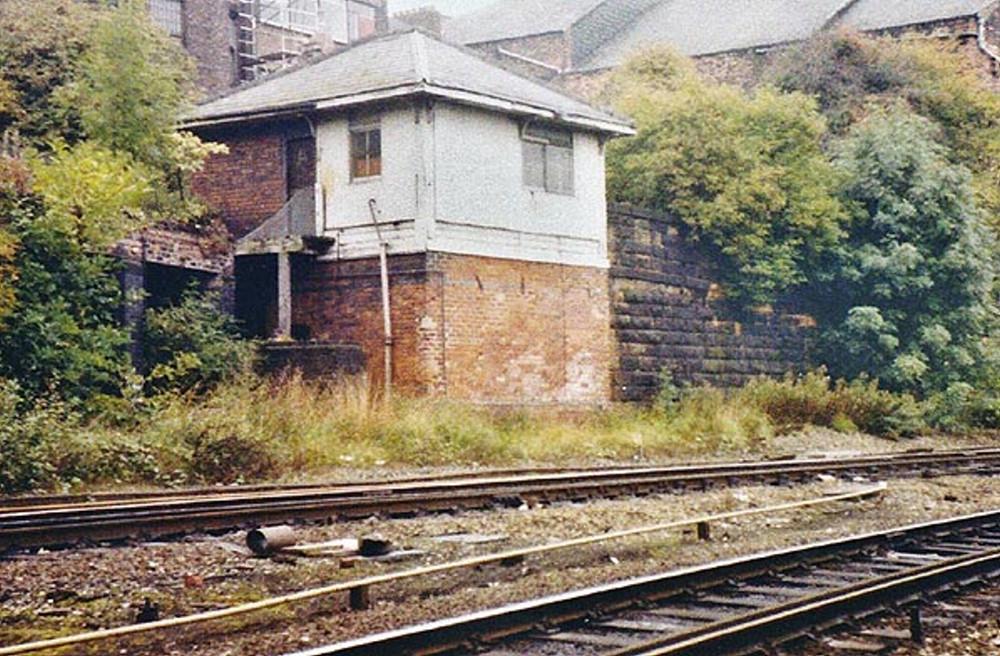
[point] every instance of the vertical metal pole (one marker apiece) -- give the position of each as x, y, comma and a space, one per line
386, 304
387, 318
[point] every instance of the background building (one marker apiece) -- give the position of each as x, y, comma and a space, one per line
235, 41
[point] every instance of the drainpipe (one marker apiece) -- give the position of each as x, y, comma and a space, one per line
984, 43
386, 306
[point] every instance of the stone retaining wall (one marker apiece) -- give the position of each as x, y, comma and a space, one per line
664, 319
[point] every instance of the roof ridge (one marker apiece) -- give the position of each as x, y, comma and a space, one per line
302, 63
420, 62
838, 14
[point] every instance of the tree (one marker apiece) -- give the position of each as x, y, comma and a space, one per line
64, 337
908, 296
40, 45
132, 84
745, 174
852, 75
14, 182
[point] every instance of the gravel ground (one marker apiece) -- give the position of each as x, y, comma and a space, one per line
48, 594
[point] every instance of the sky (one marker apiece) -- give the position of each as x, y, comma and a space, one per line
447, 7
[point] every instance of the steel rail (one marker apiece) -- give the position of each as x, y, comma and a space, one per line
780, 623
65, 525
495, 631
466, 563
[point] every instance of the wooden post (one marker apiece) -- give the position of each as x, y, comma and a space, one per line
284, 330
916, 625
361, 598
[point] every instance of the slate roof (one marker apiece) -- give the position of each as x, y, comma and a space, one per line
507, 19
703, 27
883, 14
700, 27
399, 65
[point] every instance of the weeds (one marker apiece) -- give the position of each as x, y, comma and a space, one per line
253, 429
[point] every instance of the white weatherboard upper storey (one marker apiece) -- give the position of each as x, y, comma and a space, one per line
452, 182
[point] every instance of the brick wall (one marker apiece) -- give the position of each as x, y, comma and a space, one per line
248, 185
342, 302
663, 318
210, 38
477, 329
552, 49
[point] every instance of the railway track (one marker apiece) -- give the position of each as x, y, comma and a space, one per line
56, 524
739, 606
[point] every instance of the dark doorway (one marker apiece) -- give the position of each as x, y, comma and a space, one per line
257, 294
165, 286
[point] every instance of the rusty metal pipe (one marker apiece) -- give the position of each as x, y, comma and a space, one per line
266, 541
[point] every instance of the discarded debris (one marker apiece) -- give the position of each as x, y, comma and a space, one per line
266, 541
374, 546
149, 612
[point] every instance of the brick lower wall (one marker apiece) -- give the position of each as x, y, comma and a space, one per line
477, 329
663, 319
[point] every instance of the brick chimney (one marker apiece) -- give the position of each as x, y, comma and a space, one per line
428, 19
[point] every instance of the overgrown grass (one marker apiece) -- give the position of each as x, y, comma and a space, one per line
255, 429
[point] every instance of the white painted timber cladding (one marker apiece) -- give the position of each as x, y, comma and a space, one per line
452, 182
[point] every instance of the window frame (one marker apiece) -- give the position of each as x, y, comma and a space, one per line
353, 27
554, 142
179, 23
366, 127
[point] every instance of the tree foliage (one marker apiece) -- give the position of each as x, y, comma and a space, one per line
64, 337
908, 296
852, 75
193, 346
40, 46
745, 173
92, 195
132, 83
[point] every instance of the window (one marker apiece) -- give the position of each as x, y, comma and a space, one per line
548, 159
366, 150
298, 15
303, 15
361, 20
168, 14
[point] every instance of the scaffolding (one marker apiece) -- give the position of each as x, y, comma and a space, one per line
273, 34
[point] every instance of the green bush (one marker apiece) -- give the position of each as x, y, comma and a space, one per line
232, 458
815, 400
193, 346
744, 173
962, 407
26, 439
909, 296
